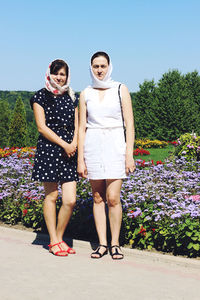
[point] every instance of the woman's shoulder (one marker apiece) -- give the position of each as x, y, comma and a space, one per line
124, 93
122, 85
85, 92
88, 88
40, 93
38, 97
124, 88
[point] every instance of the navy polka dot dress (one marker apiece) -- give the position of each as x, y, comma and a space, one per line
51, 162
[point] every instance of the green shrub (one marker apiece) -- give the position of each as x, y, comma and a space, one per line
32, 213
188, 146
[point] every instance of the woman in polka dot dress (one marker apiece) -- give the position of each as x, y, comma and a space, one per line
56, 115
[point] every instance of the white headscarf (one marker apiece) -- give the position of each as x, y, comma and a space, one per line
105, 83
55, 88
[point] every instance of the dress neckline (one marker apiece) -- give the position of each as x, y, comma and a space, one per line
101, 100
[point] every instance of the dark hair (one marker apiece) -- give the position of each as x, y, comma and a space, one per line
100, 53
57, 65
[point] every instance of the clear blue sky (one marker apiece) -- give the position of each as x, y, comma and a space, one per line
144, 38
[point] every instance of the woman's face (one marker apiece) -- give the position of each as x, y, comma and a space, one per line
60, 77
100, 67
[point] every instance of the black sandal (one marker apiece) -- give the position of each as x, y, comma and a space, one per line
98, 253
116, 252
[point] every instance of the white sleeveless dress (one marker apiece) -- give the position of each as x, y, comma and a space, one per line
105, 147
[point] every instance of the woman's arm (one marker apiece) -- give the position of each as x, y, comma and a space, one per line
75, 138
48, 133
82, 170
130, 131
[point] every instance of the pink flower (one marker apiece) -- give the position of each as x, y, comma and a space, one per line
193, 198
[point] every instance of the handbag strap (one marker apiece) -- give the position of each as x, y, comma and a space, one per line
120, 101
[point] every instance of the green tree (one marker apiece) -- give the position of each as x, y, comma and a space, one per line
32, 134
176, 110
192, 80
193, 87
4, 123
144, 106
18, 126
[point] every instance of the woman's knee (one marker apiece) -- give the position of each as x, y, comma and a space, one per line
51, 197
69, 202
97, 198
113, 199
51, 191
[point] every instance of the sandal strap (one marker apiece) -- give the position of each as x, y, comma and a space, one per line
59, 251
57, 244
98, 253
116, 251
103, 246
69, 248
115, 246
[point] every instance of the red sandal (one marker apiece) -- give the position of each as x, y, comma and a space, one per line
59, 252
69, 250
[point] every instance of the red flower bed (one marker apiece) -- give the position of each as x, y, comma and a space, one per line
143, 164
23, 152
141, 151
175, 143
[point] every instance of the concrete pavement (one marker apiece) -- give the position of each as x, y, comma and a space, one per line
29, 271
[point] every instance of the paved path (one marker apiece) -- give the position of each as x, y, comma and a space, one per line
28, 271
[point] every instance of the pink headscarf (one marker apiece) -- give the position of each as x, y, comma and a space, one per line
52, 86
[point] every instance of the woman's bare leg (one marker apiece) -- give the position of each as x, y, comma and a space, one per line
113, 188
68, 203
49, 208
99, 196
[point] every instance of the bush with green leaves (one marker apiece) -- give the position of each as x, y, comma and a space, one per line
188, 146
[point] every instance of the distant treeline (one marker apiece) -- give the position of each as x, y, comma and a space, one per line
11, 98
17, 125
169, 108
162, 110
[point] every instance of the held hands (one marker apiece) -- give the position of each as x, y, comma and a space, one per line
82, 170
130, 164
70, 149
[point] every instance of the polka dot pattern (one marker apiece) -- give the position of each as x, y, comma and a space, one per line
51, 162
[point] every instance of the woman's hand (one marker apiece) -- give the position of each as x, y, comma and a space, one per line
70, 149
130, 164
82, 170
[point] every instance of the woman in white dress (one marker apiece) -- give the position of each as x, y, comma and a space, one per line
103, 154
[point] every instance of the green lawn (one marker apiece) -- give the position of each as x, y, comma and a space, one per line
157, 154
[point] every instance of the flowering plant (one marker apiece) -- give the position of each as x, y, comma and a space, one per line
174, 143
188, 146
141, 151
161, 204
146, 143
23, 152
161, 207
